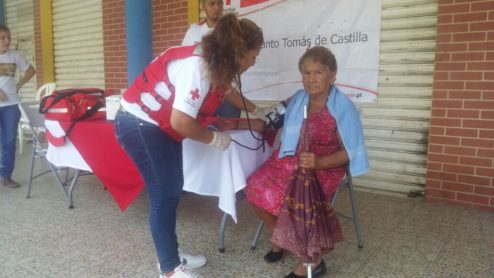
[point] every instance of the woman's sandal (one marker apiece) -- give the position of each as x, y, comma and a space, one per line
272, 256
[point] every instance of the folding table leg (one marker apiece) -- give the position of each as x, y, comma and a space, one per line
57, 179
72, 186
221, 246
31, 169
66, 178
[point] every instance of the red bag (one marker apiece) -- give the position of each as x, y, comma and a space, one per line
72, 104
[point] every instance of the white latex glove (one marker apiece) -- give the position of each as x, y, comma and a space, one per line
261, 112
221, 140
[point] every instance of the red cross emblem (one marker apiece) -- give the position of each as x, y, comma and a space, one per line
194, 94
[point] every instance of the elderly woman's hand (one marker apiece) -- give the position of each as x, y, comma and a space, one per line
308, 160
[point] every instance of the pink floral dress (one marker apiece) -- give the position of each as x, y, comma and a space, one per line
266, 187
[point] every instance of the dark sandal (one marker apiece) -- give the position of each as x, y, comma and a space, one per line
272, 257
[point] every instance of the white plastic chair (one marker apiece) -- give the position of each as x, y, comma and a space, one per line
44, 90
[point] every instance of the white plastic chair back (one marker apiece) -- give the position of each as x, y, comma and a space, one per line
45, 90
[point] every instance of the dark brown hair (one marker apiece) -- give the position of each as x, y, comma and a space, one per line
223, 48
321, 55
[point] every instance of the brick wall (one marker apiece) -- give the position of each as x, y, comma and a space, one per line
460, 166
170, 23
169, 26
115, 44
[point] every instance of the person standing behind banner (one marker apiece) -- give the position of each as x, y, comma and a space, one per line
10, 114
213, 10
170, 101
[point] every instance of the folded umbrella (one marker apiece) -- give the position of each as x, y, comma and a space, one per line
307, 224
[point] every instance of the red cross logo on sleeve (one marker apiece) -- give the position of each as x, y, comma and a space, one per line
194, 94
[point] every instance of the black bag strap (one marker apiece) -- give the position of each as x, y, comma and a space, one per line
84, 116
59, 95
56, 99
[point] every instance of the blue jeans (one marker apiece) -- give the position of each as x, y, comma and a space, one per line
159, 160
9, 122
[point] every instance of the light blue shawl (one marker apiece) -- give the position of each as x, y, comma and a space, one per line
347, 120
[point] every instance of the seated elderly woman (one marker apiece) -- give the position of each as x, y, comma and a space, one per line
337, 142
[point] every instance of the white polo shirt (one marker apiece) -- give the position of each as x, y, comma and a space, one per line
196, 32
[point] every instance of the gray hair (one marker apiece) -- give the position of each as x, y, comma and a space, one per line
321, 55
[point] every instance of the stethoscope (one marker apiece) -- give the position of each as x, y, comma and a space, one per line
261, 140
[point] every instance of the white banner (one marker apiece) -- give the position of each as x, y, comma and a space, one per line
349, 28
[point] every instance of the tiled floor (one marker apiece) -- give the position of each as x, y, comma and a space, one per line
403, 237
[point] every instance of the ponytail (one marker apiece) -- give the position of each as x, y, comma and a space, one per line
224, 48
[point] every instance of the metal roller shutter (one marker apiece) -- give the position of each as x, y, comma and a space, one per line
396, 128
78, 43
20, 20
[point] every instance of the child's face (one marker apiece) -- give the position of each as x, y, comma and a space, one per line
4, 41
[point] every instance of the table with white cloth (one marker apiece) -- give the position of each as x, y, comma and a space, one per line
207, 171
211, 172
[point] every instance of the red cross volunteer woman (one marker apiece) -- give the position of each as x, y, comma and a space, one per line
170, 101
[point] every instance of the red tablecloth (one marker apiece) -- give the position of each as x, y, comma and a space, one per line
97, 142
93, 147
